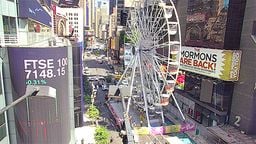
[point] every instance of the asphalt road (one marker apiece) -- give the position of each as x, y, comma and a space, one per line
106, 119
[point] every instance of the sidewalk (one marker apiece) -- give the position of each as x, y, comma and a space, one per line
85, 134
210, 135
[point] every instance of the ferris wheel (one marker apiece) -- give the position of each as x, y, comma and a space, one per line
153, 33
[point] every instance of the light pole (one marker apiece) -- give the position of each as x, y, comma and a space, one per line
31, 91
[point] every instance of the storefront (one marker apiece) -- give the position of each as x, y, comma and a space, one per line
206, 100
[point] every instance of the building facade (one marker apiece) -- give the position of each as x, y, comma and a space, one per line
4, 132
26, 29
215, 28
243, 114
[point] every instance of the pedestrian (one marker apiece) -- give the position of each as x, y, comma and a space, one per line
111, 140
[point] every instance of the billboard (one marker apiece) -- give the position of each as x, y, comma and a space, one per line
160, 130
33, 9
221, 64
206, 23
41, 120
180, 82
69, 3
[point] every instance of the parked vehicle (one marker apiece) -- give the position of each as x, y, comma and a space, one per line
92, 79
104, 87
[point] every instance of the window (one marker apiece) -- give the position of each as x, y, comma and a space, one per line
222, 92
9, 24
193, 85
2, 127
254, 31
254, 28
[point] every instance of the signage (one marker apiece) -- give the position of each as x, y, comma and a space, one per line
180, 82
221, 64
165, 129
32, 9
41, 66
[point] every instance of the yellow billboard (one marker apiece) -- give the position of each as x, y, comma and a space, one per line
216, 63
113, 43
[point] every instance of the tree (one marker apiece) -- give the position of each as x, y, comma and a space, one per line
87, 99
93, 113
101, 135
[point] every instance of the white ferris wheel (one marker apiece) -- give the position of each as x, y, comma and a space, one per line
153, 31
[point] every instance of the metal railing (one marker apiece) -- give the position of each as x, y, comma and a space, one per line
8, 39
23, 38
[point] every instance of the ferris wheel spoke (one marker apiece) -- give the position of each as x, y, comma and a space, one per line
155, 82
143, 90
159, 30
155, 21
141, 26
160, 57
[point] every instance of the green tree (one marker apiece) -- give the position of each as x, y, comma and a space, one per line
93, 113
87, 99
101, 135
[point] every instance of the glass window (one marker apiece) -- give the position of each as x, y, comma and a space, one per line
254, 31
222, 92
193, 85
254, 28
9, 24
2, 127
2, 120
1, 91
2, 131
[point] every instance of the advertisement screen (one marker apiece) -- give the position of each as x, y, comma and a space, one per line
206, 23
34, 10
41, 120
180, 82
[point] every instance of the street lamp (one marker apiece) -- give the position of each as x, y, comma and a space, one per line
32, 91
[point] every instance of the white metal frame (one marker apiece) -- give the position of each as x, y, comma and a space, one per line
152, 26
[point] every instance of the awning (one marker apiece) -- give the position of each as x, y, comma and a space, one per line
32, 9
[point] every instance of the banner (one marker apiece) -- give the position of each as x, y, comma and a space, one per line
33, 9
180, 82
221, 64
142, 130
165, 129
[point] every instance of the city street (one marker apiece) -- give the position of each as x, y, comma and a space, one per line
106, 118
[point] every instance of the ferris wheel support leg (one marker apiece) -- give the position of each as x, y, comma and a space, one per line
132, 81
182, 115
162, 115
143, 89
125, 71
